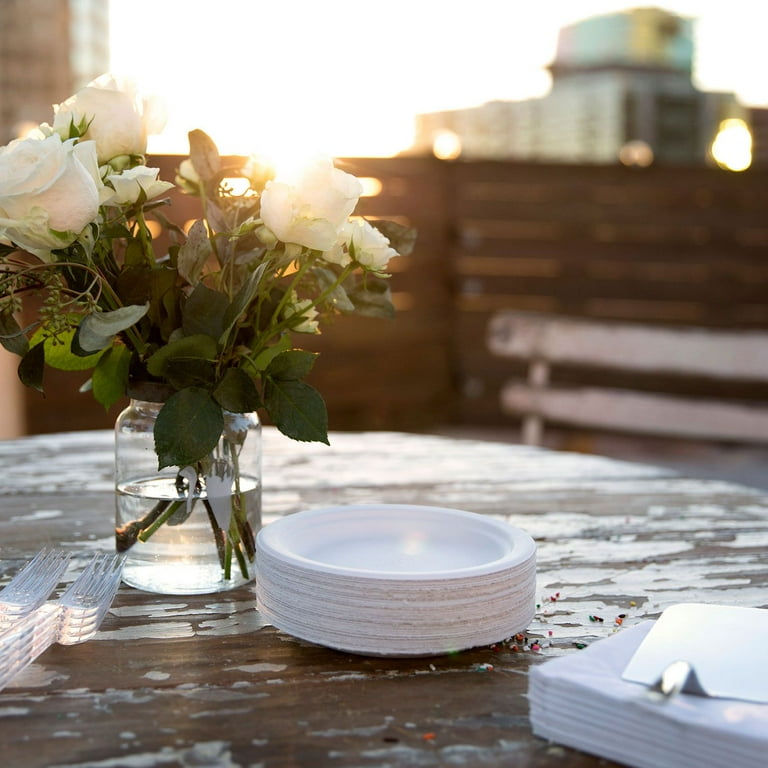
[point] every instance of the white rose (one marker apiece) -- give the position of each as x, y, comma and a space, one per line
129, 184
49, 192
363, 242
303, 314
120, 120
312, 211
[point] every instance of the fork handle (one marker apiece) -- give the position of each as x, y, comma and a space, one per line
30, 637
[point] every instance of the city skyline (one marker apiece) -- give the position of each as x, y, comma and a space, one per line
351, 76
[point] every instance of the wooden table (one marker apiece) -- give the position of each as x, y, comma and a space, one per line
203, 681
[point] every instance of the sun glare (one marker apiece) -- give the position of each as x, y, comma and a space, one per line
732, 147
446, 145
288, 141
269, 81
306, 85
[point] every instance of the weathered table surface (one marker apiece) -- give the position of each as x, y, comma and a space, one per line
192, 681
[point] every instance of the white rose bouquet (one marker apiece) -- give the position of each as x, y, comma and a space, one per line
213, 319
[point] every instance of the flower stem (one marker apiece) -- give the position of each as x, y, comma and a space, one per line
145, 533
241, 562
127, 535
219, 535
285, 324
145, 238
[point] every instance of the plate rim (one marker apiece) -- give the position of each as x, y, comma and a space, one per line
519, 539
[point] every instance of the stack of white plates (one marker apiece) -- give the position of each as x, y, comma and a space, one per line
396, 580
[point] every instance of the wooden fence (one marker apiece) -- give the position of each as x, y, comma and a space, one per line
658, 245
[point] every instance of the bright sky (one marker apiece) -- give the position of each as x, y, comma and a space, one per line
346, 77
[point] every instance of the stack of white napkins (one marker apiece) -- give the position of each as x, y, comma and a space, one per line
396, 580
581, 700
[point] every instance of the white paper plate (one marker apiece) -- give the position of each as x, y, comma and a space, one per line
395, 580
396, 541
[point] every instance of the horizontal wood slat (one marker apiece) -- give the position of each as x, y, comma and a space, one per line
633, 347
625, 411
546, 342
659, 245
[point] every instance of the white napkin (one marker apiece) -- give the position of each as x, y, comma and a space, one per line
581, 700
702, 635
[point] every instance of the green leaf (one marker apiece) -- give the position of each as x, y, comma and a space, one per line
194, 254
11, 335
59, 354
236, 392
190, 372
214, 214
338, 296
135, 256
113, 230
372, 299
297, 409
291, 365
97, 330
187, 428
199, 347
133, 284
243, 297
32, 366
110, 377
266, 356
164, 310
204, 312
204, 155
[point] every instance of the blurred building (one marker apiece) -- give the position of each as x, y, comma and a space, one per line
621, 90
48, 50
758, 122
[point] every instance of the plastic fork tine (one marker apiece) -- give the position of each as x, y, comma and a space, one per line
29, 589
86, 602
73, 618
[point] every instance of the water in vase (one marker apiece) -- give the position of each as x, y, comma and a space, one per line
196, 544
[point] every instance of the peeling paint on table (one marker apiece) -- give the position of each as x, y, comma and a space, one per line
203, 680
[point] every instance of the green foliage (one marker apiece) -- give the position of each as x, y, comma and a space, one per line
297, 409
110, 376
236, 392
214, 320
58, 351
194, 254
204, 156
372, 298
11, 335
204, 312
98, 330
197, 348
291, 365
203, 422
32, 366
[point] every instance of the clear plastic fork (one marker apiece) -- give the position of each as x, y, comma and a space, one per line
84, 605
32, 585
73, 618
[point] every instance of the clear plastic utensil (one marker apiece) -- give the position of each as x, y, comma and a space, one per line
84, 605
73, 618
32, 585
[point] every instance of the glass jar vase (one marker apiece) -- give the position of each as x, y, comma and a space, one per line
187, 530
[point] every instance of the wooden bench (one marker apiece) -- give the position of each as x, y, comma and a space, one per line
545, 341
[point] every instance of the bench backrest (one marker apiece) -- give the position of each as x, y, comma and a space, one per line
547, 340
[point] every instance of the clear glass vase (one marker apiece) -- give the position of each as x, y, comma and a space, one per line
187, 530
